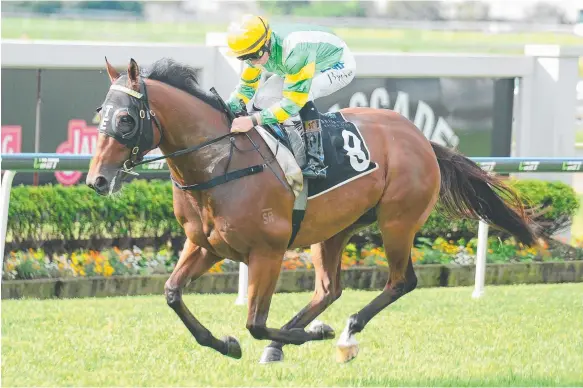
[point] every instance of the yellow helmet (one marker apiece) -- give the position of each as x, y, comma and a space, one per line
248, 35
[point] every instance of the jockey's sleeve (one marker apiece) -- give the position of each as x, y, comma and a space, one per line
296, 88
246, 87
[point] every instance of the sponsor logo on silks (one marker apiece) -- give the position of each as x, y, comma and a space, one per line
571, 166
45, 163
337, 66
487, 166
528, 166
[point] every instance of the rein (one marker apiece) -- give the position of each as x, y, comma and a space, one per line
133, 161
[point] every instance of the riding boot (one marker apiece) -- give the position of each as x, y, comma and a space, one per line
295, 132
315, 169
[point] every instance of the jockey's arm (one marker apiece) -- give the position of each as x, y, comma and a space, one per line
245, 89
296, 89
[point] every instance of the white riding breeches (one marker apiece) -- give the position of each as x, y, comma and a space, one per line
324, 83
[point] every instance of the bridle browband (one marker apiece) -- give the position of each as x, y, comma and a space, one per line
135, 159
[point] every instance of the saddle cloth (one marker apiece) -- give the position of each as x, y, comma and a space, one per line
345, 153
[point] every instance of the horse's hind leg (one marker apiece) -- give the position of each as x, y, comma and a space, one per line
398, 240
326, 257
194, 261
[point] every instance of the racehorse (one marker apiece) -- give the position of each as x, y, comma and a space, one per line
230, 198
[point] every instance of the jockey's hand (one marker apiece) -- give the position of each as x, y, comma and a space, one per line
242, 124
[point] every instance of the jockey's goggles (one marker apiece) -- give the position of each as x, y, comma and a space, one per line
252, 56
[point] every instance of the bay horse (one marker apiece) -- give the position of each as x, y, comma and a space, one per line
224, 214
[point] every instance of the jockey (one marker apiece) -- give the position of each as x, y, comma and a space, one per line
307, 63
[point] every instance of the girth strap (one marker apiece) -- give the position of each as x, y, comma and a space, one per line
221, 179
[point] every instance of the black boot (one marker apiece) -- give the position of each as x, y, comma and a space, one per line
315, 169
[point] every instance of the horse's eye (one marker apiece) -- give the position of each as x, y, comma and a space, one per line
125, 122
126, 119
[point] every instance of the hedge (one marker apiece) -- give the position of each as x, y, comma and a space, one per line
60, 218
552, 206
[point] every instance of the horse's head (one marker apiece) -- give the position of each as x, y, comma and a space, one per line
126, 130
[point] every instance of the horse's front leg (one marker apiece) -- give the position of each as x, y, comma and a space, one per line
326, 257
264, 269
194, 262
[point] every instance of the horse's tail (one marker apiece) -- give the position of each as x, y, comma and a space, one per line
468, 191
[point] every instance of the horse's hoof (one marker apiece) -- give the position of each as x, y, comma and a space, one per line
346, 353
347, 346
270, 355
326, 331
233, 347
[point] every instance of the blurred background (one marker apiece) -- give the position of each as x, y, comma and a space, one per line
450, 25
475, 114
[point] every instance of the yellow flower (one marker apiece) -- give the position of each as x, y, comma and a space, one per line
108, 270
216, 267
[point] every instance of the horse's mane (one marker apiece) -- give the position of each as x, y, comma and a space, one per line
182, 77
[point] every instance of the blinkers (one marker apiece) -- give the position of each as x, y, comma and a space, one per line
126, 117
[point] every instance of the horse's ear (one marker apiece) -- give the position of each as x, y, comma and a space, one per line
133, 73
113, 74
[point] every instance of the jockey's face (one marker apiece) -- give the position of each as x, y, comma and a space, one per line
261, 61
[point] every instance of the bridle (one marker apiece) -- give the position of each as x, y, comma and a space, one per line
141, 137
145, 141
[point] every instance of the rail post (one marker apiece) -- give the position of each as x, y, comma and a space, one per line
6, 188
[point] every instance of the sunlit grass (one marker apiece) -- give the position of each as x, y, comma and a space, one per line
514, 336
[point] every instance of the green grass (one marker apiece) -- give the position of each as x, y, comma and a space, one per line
357, 38
514, 336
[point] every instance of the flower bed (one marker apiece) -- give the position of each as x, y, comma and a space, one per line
36, 264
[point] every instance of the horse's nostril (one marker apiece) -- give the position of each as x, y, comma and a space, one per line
100, 183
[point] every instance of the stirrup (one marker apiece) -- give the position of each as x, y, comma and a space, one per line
312, 172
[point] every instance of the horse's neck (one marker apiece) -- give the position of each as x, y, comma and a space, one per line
188, 122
